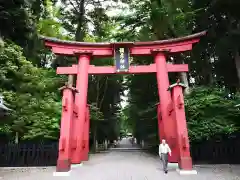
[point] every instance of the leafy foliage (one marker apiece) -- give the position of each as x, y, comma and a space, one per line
210, 112
15, 19
28, 91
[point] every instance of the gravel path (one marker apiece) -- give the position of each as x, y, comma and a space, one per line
117, 165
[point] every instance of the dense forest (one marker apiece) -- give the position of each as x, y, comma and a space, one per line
30, 85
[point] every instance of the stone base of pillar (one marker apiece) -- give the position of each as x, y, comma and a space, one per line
173, 165
186, 172
63, 165
62, 173
77, 165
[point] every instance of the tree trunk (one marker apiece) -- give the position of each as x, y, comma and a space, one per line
79, 36
104, 92
94, 137
184, 79
16, 140
183, 75
206, 73
70, 80
237, 62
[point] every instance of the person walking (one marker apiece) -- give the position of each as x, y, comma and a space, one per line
164, 150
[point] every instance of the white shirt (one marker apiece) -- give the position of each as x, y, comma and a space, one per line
164, 149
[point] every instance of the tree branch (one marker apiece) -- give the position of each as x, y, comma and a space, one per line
105, 90
73, 6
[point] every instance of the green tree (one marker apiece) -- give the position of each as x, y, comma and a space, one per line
31, 93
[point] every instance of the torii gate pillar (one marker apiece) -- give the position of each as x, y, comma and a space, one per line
81, 107
167, 122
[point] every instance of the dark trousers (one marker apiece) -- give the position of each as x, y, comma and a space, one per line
164, 157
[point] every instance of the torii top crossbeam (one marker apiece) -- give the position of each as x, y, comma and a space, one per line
108, 49
136, 48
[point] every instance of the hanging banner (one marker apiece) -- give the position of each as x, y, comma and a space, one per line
122, 59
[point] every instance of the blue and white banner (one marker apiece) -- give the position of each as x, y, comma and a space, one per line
122, 59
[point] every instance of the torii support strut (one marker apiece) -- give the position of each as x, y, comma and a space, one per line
158, 49
86, 135
182, 140
65, 142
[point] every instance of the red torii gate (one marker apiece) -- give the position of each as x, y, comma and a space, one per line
74, 134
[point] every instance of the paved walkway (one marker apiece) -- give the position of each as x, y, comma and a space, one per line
118, 165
